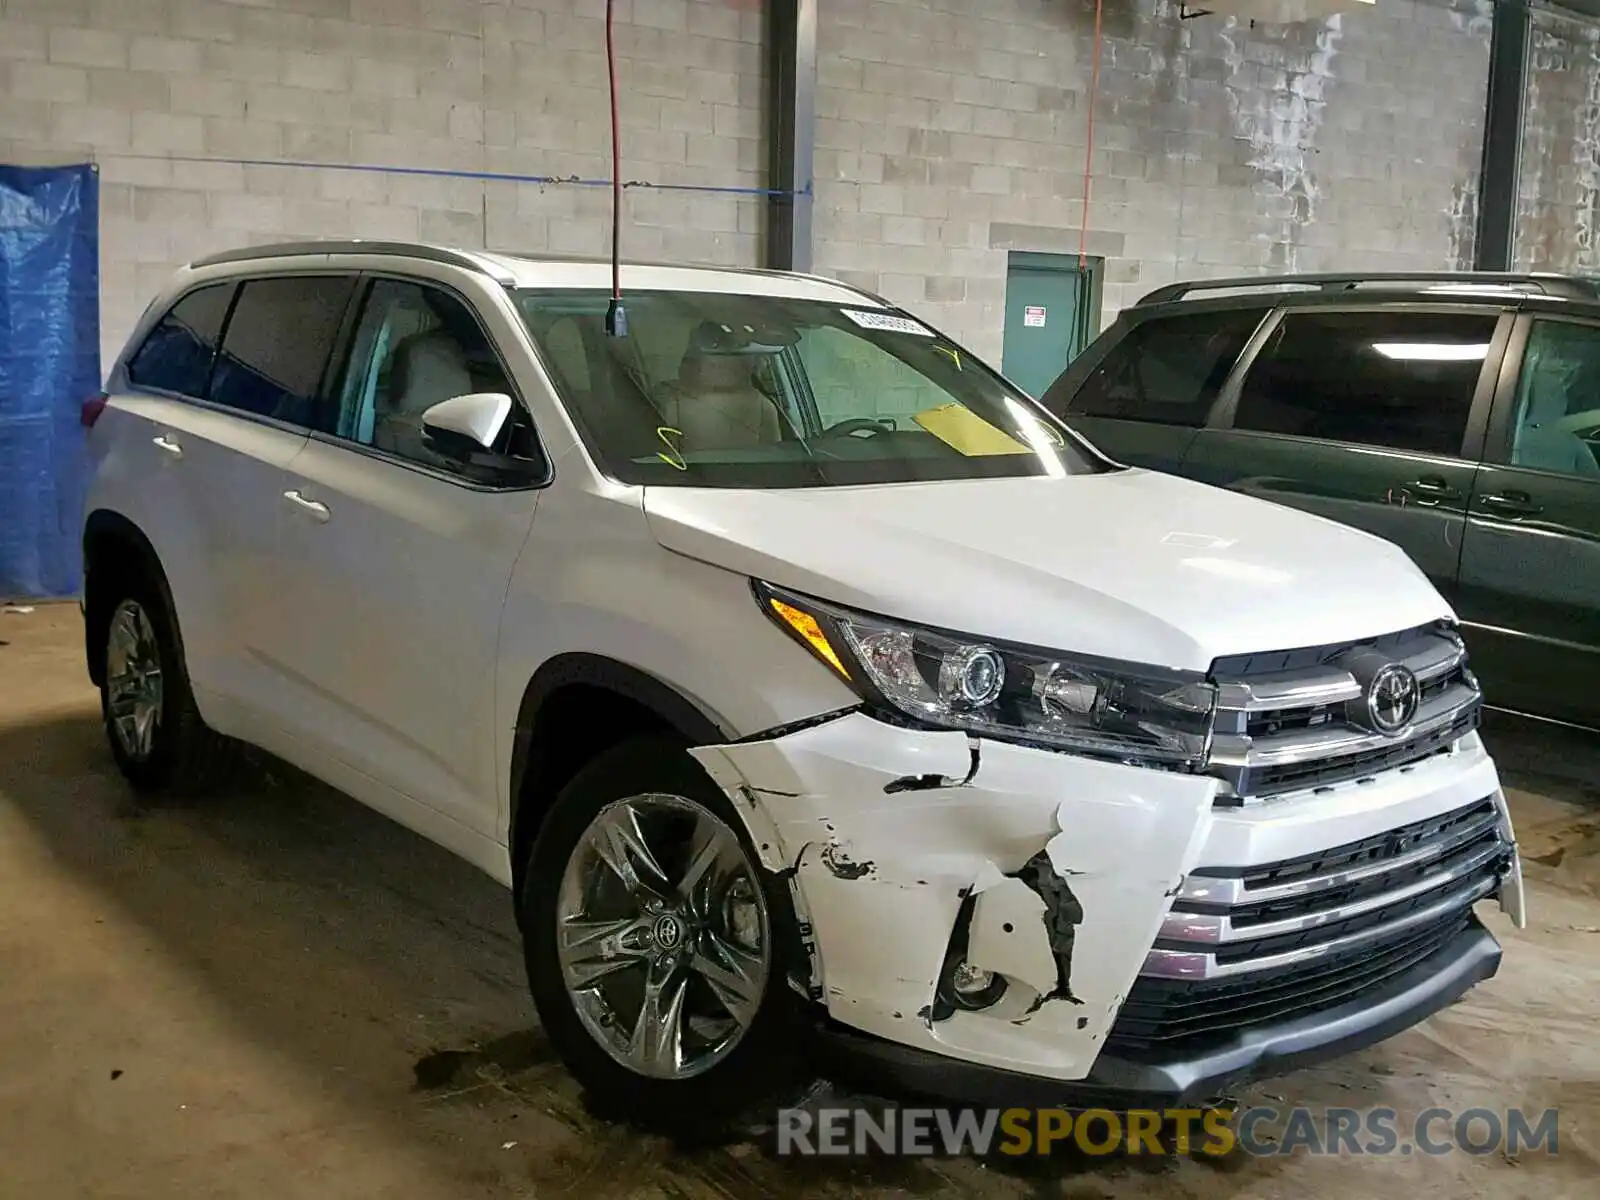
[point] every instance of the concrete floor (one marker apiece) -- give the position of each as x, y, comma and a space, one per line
279, 994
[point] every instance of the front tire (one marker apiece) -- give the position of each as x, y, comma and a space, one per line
657, 946
157, 737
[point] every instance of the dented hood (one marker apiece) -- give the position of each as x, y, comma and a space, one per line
1130, 564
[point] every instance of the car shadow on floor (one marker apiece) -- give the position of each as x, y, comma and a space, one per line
367, 956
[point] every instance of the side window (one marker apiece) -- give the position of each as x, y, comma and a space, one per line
1557, 424
177, 355
416, 346
277, 346
1400, 380
1167, 371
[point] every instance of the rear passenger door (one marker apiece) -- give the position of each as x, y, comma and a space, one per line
1530, 569
261, 403
222, 381
1373, 418
1142, 398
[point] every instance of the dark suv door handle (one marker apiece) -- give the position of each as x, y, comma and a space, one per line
1510, 504
1431, 490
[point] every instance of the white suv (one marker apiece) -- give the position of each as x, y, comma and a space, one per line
822, 699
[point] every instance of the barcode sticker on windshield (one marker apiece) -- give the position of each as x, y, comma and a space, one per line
888, 322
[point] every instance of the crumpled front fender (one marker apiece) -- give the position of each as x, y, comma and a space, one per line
1058, 869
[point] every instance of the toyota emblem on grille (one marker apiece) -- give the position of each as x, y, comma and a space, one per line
1392, 698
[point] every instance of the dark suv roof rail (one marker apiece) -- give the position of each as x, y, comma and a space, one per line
1567, 286
437, 254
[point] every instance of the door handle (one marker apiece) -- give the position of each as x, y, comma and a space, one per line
168, 446
1431, 490
1510, 504
316, 508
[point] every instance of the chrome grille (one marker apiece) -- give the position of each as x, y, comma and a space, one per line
1231, 922
1247, 945
1293, 720
1163, 1015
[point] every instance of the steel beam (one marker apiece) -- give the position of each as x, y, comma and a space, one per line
1499, 176
791, 129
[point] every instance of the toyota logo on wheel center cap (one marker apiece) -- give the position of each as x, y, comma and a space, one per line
668, 932
1392, 698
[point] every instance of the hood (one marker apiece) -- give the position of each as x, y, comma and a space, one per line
1133, 564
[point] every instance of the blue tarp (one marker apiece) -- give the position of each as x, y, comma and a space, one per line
49, 365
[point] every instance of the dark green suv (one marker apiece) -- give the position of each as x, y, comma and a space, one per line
1456, 415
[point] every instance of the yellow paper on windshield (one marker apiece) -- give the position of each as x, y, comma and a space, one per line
964, 431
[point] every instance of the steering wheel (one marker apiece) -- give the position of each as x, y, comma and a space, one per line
867, 425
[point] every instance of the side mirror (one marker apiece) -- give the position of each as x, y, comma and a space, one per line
467, 424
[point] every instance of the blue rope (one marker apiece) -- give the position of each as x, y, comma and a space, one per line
486, 176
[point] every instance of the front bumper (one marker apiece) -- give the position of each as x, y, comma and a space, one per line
871, 1064
1059, 874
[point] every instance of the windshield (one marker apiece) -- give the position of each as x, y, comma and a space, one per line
717, 390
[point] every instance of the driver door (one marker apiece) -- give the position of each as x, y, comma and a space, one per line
397, 558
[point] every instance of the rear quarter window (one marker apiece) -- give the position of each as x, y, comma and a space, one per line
1166, 370
177, 354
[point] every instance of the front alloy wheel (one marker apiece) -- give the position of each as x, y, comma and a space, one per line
659, 950
663, 936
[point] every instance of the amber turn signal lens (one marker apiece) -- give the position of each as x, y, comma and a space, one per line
805, 625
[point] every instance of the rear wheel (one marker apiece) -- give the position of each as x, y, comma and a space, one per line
656, 943
157, 737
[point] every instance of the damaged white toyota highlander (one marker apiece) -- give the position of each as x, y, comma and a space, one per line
826, 703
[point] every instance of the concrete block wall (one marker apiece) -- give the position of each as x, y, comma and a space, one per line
950, 133
1558, 201
145, 88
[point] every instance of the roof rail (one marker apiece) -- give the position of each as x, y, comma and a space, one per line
1566, 286
541, 256
437, 254
485, 264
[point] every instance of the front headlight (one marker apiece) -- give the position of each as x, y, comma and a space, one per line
1121, 711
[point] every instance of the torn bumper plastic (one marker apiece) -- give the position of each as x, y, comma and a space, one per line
1046, 883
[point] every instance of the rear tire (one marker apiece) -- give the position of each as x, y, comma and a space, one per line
159, 741
717, 953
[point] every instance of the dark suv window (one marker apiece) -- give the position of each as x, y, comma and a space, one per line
177, 355
1167, 370
277, 344
1399, 380
1558, 401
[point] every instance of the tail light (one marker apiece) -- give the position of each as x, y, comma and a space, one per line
92, 408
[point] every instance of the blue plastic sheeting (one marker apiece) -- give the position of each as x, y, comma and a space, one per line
49, 365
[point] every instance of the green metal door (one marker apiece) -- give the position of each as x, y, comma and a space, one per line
1045, 322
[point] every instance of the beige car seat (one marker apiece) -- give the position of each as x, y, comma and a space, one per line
429, 367
716, 405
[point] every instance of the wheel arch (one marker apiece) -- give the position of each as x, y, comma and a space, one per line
575, 706
114, 546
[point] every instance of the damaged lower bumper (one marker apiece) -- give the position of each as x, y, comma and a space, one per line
1183, 1077
982, 917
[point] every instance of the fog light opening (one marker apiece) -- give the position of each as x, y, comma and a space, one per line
973, 988
962, 987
